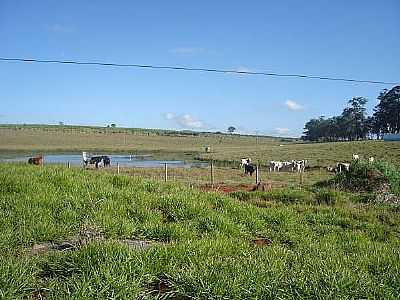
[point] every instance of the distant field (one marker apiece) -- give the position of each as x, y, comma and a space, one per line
187, 145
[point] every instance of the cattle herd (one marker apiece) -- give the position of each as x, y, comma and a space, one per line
274, 166
296, 165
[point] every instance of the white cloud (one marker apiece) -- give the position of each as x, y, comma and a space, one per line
282, 131
169, 116
186, 121
293, 105
188, 50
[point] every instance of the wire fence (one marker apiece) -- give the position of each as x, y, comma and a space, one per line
214, 176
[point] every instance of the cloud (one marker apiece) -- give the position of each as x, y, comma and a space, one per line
282, 131
169, 116
291, 105
60, 28
186, 121
188, 51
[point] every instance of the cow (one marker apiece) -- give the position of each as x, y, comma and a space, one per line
244, 161
288, 166
97, 161
371, 159
249, 169
356, 157
299, 165
36, 160
275, 166
340, 167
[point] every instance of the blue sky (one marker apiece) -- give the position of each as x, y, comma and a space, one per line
355, 39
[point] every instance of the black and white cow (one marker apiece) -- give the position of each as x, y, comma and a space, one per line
249, 169
97, 161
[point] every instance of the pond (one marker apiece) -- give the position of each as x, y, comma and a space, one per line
124, 160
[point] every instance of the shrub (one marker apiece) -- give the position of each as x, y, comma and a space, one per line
368, 177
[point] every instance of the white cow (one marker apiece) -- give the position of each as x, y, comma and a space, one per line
288, 165
300, 165
356, 157
275, 166
371, 159
343, 167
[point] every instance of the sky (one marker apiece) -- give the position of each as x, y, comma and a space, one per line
352, 39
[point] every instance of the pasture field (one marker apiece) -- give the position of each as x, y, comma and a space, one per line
183, 145
73, 234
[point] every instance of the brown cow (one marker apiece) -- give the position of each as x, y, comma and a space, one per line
36, 160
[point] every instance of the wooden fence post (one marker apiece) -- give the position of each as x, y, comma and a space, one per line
257, 175
165, 172
212, 174
117, 168
68, 165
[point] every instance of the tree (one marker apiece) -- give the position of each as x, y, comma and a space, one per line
231, 129
387, 112
113, 125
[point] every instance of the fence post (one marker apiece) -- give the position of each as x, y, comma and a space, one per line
68, 165
165, 172
117, 168
257, 175
301, 177
212, 174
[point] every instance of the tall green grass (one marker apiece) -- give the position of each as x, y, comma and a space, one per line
203, 241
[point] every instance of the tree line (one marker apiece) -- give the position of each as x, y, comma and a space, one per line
355, 124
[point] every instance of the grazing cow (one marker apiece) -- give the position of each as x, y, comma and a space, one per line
356, 157
244, 161
300, 165
97, 161
275, 166
287, 165
371, 159
36, 160
100, 161
343, 167
249, 169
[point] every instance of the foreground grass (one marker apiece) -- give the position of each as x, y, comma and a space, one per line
204, 243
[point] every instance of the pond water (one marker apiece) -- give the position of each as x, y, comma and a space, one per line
141, 161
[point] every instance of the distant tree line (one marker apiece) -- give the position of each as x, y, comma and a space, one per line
355, 124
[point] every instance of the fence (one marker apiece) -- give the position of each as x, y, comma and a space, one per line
216, 176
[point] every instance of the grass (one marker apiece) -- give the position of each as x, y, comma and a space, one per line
226, 149
203, 241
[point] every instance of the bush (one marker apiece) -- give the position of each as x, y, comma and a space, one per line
363, 176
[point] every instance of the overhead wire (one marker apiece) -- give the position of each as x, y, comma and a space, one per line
184, 68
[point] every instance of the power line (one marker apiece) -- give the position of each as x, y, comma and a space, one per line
179, 68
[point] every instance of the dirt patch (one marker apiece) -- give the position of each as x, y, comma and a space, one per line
261, 242
162, 288
263, 186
